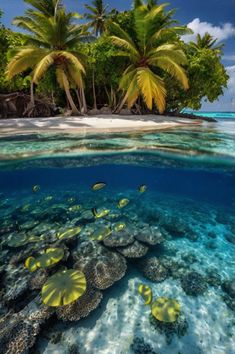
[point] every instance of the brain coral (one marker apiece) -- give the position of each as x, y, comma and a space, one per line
150, 235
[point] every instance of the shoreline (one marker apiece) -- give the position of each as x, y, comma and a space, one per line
93, 124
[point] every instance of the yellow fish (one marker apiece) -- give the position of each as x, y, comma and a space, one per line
97, 186
71, 200
69, 233
75, 208
36, 188
26, 207
122, 203
142, 188
119, 226
146, 292
100, 214
48, 198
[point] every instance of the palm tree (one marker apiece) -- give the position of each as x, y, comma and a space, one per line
150, 3
97, 17
154, 50
53, 41
206, 42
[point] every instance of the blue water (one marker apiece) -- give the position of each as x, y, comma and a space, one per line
190, 200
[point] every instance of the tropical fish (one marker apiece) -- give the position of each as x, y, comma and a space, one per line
119, 226
100, 233
142, 188
75, 208
25, 208
100, 213
48, 198
146, 292
122, 203
71, 200
36, 188
97, 186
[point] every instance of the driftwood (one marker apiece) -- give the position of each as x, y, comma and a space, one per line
17, 104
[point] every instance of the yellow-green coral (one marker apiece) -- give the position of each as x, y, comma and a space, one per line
63, 288
100, 233
146, 292
69, 233
48, 258
165, 309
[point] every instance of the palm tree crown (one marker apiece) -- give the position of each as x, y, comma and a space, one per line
154, 49
97, 17
52, 41
207, 41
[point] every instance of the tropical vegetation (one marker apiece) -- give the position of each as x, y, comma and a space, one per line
135, 59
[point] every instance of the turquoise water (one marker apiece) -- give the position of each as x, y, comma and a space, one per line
177, 238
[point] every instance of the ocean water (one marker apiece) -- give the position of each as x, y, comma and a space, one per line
177, 238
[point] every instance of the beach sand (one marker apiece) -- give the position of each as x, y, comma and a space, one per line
81, 125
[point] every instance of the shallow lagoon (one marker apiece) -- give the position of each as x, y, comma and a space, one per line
188, 210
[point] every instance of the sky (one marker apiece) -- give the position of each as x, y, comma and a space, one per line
214, 16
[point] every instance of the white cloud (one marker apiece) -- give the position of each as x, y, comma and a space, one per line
222, 33
229, 57
231, 82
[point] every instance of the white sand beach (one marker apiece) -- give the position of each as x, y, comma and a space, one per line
104, 123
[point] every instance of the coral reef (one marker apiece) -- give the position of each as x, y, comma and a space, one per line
119, 239
170, 329
152, 269
139, 346
193, 284
150, 235
82, 307
135, 250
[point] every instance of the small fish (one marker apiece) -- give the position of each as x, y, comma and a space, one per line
100, 213
119, 226
75, 208
146, 292
97, 186
71, 200
142, 188
122, 203
48, 198
36, 188
25, 208
101, 233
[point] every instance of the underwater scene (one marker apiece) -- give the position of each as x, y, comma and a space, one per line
120, 243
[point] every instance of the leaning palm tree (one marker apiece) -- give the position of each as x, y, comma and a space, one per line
52, 42
154, 50
97, 17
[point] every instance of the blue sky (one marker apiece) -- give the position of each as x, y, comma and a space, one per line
215, 16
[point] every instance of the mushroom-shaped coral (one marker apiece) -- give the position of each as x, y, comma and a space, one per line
100, 233
119, 239
105, 270
193, 283
48, 258
81, 307
135, 250
150, 235
152, 269
17, 240
70, 233
165, 309
64, 287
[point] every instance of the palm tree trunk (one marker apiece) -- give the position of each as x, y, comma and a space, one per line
83, 100
31, 93
93, 87
71, 102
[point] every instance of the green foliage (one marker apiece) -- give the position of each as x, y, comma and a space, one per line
8, 41
207, 79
